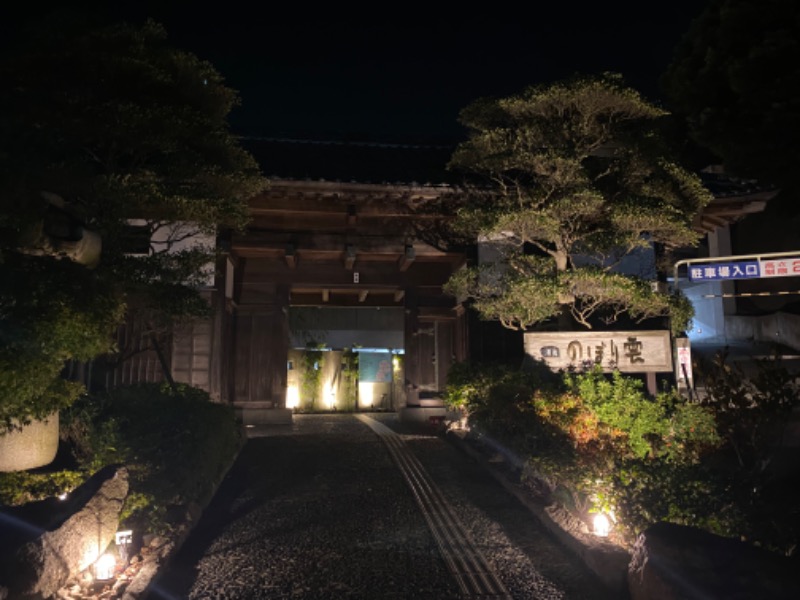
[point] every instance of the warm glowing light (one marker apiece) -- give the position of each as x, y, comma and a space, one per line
292, 396
104, 567
90, 555
330, 398
365, 394
62, 496
602, 525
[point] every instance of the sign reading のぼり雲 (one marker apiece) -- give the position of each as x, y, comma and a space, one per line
626, 351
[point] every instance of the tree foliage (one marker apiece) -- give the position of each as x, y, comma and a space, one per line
736, 78
122, 126
102, 128
572, 178
50, 311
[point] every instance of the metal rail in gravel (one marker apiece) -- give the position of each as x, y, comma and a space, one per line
464, 560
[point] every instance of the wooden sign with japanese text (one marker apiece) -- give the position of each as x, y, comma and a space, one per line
626, 351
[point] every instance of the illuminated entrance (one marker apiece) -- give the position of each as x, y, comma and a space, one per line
350, 379
334, 302
345, 359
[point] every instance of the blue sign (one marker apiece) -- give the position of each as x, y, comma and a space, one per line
747, 269
374, 367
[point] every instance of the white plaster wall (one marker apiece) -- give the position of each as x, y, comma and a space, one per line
170, 238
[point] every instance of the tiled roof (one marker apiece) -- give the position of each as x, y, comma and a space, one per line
347, 161
734, 199
408, 163
725, 186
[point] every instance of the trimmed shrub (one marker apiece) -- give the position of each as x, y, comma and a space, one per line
176, 443
496, 398
598, 442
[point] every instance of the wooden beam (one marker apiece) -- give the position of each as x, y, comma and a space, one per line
708, 223
291, 256
349, 257
352, 204
331, 274
338, 297
386, 241
339, 189
733, 209
408, 257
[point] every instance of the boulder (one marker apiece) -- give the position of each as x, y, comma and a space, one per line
675, 562
39, 567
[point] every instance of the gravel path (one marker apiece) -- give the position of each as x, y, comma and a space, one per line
320, 511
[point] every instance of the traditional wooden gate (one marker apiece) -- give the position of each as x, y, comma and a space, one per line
331, 244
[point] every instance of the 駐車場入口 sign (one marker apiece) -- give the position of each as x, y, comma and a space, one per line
745, 269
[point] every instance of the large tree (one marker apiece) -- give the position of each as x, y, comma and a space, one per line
735, 77
103, 128
572, 178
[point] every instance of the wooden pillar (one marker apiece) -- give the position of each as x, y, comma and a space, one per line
280, 346
411, 340
260, 357
443, 340
461, 342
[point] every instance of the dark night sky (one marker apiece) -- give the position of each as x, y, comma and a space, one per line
394, 74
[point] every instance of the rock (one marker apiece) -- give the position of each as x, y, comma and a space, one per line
675, 562
40, 567
138, 586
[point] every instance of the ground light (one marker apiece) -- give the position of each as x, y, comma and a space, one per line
602, 525
104, 567
365, 394
330, 397
292, 396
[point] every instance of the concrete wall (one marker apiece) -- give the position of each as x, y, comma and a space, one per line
781, 328
708, 324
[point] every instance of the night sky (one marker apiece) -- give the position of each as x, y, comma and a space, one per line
399, 72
